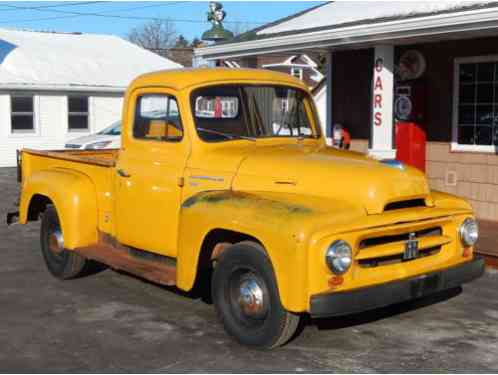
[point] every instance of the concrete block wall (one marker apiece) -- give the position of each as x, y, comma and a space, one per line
471, 175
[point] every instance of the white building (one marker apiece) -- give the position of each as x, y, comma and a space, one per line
56, 86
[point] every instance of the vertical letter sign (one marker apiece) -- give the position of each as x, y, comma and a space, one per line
382, 103
377, 106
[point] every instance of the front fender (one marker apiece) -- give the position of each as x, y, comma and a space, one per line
274, 222
446, 200
75, 199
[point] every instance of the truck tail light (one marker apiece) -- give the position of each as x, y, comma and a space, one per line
19, 167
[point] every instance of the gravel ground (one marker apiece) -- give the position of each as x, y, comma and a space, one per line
111, 322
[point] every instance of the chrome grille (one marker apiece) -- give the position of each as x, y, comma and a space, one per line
375, 241
389, 249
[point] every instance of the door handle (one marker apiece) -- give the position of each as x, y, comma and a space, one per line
122, 173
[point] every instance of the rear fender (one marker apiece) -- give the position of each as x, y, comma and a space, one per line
75, 199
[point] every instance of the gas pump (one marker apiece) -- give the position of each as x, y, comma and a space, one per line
409, 111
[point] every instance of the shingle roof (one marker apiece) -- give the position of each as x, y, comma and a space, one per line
62, 60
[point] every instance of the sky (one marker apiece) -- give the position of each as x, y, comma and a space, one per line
119, 17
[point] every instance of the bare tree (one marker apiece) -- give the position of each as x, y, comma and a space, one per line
156, 35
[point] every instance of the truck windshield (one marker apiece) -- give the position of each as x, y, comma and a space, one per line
230, 112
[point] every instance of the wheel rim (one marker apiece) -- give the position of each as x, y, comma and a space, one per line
56, 241
249, 297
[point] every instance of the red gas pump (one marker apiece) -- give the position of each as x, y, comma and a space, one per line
410, 133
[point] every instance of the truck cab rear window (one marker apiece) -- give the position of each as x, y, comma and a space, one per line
157, 119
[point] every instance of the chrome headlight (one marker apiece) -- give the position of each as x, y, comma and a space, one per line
339, 257
469, 232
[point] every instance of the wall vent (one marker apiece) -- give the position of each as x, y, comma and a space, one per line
450, 178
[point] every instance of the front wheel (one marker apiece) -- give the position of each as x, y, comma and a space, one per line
245, 296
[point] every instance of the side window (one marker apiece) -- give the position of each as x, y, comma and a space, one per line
157, 118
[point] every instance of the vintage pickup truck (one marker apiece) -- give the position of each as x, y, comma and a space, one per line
225, 172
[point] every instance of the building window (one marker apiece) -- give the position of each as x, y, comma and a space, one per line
22, 114
77, 109
475, 113
297, 72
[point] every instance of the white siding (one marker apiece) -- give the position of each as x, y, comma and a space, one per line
51, 130
104, 111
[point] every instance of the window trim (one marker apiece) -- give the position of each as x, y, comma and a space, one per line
317, 133
455, 146
28, 132
87, 113
138, 97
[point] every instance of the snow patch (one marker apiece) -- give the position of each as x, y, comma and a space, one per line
57, 59
342, 12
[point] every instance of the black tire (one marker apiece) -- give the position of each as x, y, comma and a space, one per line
245, 270
61, 263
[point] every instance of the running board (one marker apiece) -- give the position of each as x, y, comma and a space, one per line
153, 267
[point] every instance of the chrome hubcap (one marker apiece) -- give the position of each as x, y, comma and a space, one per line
251, 298
56, 241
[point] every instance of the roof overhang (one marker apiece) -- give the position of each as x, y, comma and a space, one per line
465, 24
58, 88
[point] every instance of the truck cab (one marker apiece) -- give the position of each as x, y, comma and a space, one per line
225, 172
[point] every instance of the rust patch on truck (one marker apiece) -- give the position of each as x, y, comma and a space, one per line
219, 248
241, 199
150, 266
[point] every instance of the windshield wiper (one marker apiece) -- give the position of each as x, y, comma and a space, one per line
226, 135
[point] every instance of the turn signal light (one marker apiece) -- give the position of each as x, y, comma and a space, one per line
335, 281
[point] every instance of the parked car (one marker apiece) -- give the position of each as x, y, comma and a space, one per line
252, 197
109, 137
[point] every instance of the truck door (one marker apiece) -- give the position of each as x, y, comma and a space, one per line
149, 170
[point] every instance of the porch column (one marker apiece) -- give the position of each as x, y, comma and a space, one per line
328, 98
381, 141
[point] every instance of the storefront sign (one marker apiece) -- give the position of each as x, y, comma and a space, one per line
378, 92
382, 102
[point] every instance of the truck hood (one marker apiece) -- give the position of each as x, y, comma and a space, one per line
329, 173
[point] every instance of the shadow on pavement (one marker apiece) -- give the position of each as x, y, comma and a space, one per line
381, 313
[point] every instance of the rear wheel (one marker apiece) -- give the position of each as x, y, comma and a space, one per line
61, 263
246, 298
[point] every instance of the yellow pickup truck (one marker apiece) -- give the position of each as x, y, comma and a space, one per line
225, 172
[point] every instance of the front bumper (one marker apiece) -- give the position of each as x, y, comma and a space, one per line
358, 300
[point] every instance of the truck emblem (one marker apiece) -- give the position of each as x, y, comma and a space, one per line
411, 247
